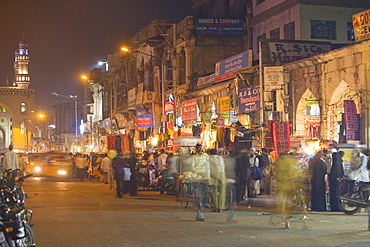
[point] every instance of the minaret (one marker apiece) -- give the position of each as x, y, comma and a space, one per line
21, 60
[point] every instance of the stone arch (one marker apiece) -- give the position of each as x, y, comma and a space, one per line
300, 113
338, 92
2, 138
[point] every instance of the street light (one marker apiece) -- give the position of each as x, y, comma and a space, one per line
73, 97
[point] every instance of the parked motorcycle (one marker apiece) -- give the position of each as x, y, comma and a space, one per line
11, 187
166, 182
354, 195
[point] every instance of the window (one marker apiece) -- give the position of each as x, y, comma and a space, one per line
260, 1
275, 34
23, 107
323, 30
289, 31
350, 32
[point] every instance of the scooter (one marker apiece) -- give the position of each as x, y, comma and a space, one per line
166, 182
354, 195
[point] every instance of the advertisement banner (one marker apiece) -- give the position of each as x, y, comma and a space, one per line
361, 25
189, 110
279, 52
221, 26
168, 107
144, 121
225, 69
351, 119
224, 104
273, 78
249, 99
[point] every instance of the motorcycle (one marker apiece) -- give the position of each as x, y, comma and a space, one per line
354, 195
11, 187
15, 227
166, 182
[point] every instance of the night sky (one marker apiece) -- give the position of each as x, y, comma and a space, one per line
67, 38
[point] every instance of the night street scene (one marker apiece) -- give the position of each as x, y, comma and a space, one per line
184, 123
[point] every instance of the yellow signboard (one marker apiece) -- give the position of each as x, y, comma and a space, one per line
361, 25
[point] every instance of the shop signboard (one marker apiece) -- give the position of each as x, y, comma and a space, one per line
279, 52
206, 80
189, 110
224, 104
249, 99
226, 68
131, 102
216, 26
361, 25
351, 119
144, 121
273, 78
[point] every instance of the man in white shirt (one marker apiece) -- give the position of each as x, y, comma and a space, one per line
10, 160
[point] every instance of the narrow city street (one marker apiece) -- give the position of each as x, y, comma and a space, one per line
74, 213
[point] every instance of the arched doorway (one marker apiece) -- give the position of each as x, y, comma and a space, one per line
308, 116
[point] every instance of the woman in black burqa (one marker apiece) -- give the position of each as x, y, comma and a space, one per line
318, 171
336, 172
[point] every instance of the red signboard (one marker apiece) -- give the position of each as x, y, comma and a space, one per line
189, 110
351, 119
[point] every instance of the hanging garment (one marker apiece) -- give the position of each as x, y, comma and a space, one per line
111, 142
125, 143
117, 143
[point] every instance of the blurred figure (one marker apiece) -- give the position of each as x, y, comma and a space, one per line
118, 163
266, 167
162, 161
335, 173
254, 162
318, 171
359, 166
287, 184
132, 185
105, 166
218, 180
81, 164
10, 161
201, 167
242, 173
22, 165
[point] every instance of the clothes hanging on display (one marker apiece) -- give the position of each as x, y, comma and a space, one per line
111, 142
117, 143
125, 143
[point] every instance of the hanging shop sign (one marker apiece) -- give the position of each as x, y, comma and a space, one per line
226, 68
206, 80
273, 78
144, 121
249, 99
140, 93
221, 26
168, 107
131, 102
189, 110
121, 120
361, 25
280, 52
351, 119
224, 104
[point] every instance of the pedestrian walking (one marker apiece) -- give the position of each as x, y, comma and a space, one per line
254, 184
118, 163
105, 166
81, 164
10, 161
336, 172
318, 171
218, 180
132, 184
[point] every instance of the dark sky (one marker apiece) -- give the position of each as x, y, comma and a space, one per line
67, 38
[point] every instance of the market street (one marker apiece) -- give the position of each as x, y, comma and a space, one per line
88, 214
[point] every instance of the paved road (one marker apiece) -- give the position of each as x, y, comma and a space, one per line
88, 214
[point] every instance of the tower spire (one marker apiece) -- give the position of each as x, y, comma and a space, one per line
21, 60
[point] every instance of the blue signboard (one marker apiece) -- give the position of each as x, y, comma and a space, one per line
249, 99
225, 69
144, 121
219, 26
